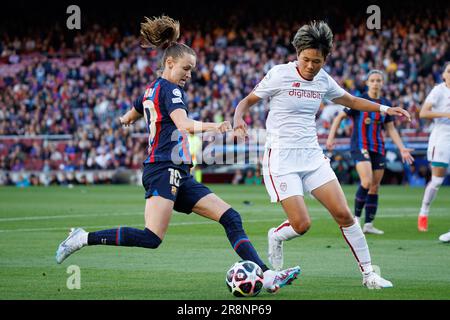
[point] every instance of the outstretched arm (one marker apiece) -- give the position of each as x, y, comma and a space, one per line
395, 136
365, 105
334, 126
239, 125
130, 117
426, 112
183, 123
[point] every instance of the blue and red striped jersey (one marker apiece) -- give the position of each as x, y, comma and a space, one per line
367, 127
165, 141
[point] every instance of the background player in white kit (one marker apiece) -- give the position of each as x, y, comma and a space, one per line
293, 160
436, 107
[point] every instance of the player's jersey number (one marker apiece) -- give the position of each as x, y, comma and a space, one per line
150, 118
175, 177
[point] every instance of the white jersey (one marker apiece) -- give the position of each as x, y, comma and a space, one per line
294, 102
439, 97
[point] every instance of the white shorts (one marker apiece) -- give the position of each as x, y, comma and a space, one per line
439, 148
297, 182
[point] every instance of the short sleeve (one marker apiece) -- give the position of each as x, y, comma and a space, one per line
137, 104
349, 112
268, 86
173, 98
433, 96
334, 90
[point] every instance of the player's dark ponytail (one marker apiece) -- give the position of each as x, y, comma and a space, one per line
163, 32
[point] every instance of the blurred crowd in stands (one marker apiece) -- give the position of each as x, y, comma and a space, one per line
78, 88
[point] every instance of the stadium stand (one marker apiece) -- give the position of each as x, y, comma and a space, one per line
62, 91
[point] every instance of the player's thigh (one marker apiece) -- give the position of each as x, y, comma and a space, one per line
211, 207
364, 169
297, 213
161, 187
439, 171
438, 152
196, 197
283, 186
331, 196
158, 212
377, 176
288, 189
439, 156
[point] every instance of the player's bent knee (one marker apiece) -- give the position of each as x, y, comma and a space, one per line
343, 217
301, 227
366, 184
152, 241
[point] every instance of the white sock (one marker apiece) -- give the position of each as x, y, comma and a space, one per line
269, 276
430, 193
358, 244
84, 238
285, 232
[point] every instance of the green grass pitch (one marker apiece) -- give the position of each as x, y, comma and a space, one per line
192, 261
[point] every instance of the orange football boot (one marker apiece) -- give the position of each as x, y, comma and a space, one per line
422, 223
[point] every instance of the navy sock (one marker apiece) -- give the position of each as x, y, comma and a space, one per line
360, 200
371, 207
124, 236
231, 221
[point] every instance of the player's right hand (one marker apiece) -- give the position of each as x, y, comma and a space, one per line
240, 128
330, 144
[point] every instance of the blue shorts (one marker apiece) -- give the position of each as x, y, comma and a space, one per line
377, 159
173, 182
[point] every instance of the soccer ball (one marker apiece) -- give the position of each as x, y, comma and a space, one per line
244, 279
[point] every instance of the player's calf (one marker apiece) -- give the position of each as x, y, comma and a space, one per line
232, 223
125, 236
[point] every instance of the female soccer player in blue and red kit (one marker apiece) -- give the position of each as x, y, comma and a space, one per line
368, 150
166, 178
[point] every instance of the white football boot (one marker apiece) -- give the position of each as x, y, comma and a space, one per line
74, 242
274, 280
369, 228
445, 237
374, 281
275, 252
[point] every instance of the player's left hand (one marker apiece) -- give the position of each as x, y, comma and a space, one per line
240, 128
397, 111
224, 127
406, 155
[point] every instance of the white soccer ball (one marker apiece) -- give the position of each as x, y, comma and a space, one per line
244, 279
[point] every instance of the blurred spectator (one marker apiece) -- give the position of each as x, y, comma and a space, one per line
253, 177
22, 181
238, 177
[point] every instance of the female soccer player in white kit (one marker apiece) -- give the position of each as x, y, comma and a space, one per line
293, 160
436, 107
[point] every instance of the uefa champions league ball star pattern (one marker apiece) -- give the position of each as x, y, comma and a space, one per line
245, 279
